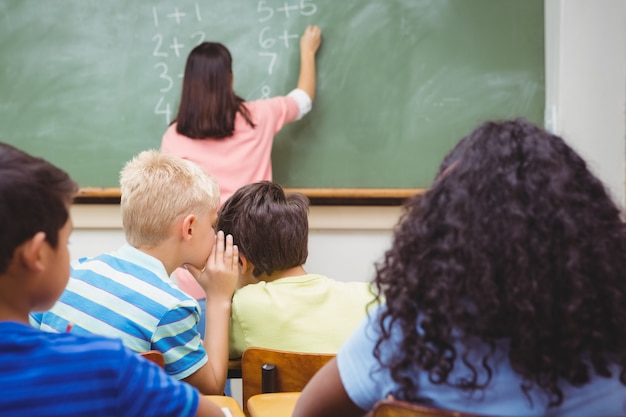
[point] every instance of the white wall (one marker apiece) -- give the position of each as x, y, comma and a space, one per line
344, 242
586, 82
585, 89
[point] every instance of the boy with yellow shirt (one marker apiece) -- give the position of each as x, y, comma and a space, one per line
278, 304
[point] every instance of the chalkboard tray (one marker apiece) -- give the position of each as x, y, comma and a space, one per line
317, 196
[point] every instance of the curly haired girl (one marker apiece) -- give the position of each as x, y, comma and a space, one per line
505, 291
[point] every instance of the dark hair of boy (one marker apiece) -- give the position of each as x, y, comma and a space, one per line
34, 196
270, 227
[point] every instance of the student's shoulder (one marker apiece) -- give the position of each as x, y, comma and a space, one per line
355, 285
355, 290
94, 353
268, 101
271, 104
88, 260
103, 264
89, 343
250, 290
64, 345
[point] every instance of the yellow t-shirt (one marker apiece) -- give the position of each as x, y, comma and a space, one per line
308, 313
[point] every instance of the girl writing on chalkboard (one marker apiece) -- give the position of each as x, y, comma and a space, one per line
227, 136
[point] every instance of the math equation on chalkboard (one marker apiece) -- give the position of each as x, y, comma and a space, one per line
264, 39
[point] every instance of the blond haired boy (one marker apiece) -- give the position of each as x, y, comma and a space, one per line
168, 208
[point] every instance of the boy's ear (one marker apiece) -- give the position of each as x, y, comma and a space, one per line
245, 272
187, 226
243, 261
32, 252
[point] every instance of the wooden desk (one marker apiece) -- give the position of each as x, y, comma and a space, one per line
230, 403
276, 404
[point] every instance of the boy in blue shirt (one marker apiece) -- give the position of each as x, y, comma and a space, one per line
63, 374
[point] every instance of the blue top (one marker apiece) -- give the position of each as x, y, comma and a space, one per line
366, 383
44, 374
128, 295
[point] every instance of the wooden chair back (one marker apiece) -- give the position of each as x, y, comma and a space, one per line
154, 356
397, 408
268, 370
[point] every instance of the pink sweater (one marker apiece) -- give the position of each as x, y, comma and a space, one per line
243, 158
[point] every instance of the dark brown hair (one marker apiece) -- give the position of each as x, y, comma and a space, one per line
517, 243
271, 229
34, 197
208, 104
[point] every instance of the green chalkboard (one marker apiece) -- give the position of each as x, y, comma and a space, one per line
89, 83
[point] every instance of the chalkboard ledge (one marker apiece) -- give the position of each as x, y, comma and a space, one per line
317, 196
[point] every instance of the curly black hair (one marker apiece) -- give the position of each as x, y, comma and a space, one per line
515, 241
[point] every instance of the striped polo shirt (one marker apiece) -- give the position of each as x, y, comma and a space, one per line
128, 295
43, 374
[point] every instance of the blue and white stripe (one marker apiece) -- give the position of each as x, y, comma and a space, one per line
128, 295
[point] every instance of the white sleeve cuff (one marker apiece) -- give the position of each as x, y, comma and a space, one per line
304, 102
